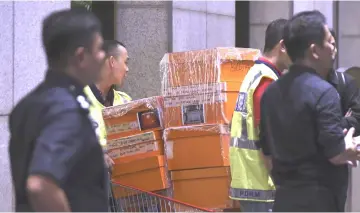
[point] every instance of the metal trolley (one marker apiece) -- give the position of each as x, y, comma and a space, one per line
125, 198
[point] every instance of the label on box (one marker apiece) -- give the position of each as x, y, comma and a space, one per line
195, 99
131, 140
134, 150
193, 89
149, 119
169, 149
193, 114
122, 127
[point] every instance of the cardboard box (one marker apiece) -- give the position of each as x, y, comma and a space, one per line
195, 147
206, 66
208, 105
134, 117
147, 174
201, 87
206, 188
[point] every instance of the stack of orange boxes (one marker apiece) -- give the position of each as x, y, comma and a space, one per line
200, 90
134, 141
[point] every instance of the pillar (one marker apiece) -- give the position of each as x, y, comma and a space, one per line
150, 29
23, 65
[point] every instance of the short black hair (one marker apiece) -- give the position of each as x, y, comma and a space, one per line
66, 30
302, 30
110, 47
274, 34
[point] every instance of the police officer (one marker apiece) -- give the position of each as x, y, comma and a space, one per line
250, 180
56, 160
102, 93
301, 123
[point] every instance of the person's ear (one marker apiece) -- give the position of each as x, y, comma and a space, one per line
282, 46
111, 61
79, 56
314, 51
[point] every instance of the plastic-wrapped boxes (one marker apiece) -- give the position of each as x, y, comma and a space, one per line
201, 87
134, 141
200, 90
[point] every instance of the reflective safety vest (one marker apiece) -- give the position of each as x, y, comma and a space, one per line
250, 180
96, 112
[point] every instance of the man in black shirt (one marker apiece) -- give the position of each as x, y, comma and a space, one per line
349, 95
56, 160
300, 123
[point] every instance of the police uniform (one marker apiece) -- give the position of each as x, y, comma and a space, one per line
52, 136
250, 180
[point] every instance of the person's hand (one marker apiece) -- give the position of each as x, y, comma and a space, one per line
108, 161
352, 147
348, 113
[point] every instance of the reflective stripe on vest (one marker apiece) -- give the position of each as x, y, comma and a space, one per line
253, 194
244, 144
250, 178
96, 112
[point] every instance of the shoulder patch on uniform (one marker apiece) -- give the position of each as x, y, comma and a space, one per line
240, 103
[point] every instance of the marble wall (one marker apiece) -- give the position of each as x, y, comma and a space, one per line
151, 29
23, 65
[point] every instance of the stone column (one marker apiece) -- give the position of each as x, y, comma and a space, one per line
261, 14
150, 29
23, 64
325, 7
349, 46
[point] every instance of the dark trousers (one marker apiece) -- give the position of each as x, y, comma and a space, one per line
252, 206
308, 198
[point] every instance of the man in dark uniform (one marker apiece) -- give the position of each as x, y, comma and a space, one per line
349, 95
301, 123
56, 160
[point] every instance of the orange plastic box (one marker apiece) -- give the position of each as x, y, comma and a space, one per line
134, 117
148, 174
194, 147
201, 87
208, 188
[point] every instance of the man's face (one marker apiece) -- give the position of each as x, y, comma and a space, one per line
333, 42
93, 59
119, 66
325, 54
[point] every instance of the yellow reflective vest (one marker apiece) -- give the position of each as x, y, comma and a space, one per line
96, 111
250, 179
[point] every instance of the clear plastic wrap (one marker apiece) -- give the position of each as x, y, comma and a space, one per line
201, 87
134, 117
135, 143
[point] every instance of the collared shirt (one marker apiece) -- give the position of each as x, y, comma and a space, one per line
300, 128
264, 83
51, 135
109, 98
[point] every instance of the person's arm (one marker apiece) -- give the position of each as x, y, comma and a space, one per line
337, 148
258, 93
265, 82
57, 149
352, 102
